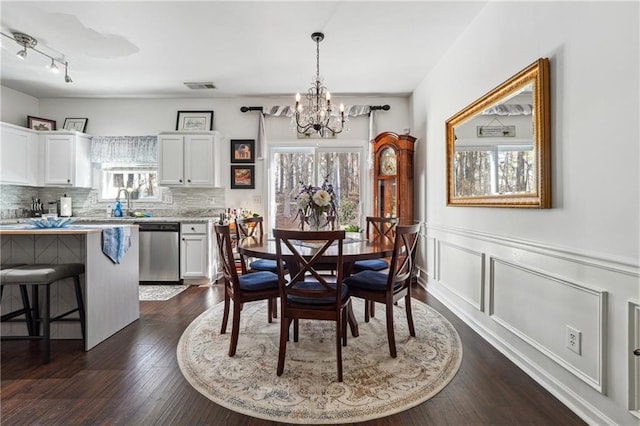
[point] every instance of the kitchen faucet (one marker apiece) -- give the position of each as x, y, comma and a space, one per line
127, 195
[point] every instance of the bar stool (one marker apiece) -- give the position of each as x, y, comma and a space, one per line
42, 275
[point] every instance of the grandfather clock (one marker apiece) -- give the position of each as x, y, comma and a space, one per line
393, 176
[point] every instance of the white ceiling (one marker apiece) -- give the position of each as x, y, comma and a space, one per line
260, 48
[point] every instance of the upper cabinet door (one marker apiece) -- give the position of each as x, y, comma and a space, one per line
171, 160
59, 154
186, 160
66, 159
199, 160
18, 155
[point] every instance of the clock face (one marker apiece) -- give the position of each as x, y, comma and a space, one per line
388, 163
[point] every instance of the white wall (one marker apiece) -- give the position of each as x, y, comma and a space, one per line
16, 106
520, 276
151, 116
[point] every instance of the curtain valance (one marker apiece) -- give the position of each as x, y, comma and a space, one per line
124, 149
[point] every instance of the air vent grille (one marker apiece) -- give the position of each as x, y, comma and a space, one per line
198, 85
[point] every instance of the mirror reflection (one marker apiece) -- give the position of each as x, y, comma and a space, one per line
497, 147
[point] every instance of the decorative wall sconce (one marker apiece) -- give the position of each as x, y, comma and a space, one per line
29, 42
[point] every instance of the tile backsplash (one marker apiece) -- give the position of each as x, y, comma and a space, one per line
15, 201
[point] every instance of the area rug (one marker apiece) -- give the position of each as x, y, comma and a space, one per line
160, 293
375, 385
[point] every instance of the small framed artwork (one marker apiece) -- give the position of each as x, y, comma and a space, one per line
78, 124
37, 123
243, 150
243, 177
195, 120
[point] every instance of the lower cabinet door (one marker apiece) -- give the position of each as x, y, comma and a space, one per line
193, 256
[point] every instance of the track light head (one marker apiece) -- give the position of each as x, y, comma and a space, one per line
22, 54
53, 67
67, 79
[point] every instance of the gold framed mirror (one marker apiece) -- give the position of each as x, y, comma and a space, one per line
498, 148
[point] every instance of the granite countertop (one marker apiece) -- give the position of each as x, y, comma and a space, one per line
128, 220
189, 219
27, 229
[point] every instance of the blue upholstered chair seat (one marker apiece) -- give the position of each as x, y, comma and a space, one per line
370, 280
265, 265
312, 285
255, 281
370, 265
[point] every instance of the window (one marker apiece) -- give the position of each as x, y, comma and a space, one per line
292, 165
499, 169
140, 180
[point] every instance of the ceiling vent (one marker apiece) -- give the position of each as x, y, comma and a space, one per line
200, 85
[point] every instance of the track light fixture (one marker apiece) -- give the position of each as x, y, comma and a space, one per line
28, 42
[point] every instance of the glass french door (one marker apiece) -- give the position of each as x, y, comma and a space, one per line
341, 166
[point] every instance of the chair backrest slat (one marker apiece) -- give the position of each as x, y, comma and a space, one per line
289, 248
404, 253
249, 227
381, 227
225, 250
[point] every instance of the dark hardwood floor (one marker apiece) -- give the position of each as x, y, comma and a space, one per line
133, 378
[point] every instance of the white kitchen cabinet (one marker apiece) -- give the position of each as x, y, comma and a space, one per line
194, 250
18, 155
186, 159
66, 159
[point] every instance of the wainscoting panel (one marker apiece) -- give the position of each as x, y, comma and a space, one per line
431, 257
461, 271
539, 308
634, 360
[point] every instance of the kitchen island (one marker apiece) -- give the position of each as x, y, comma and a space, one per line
110, 289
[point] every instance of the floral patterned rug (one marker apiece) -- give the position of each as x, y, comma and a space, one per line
149, 292
375, 385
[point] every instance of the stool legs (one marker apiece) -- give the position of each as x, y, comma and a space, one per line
28, 311
46, 326
33, 317
80, 300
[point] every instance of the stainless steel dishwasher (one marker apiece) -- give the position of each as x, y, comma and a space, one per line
159, 252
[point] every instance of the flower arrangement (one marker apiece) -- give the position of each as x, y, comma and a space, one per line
313, 202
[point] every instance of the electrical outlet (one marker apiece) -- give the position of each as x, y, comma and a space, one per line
574, 340
257, 199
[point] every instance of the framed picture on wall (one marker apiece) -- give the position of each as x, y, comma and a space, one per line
195, 120
243, 177
243, 150
37, 123
78, 124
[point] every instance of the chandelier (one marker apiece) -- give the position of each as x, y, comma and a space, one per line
317, 115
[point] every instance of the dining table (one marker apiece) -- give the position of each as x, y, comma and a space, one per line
354, 248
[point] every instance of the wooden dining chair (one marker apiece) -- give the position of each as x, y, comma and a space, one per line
377, 227
260, 285
309, 294
252, 227
389, 287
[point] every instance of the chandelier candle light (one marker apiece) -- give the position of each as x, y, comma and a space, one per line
317, 116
